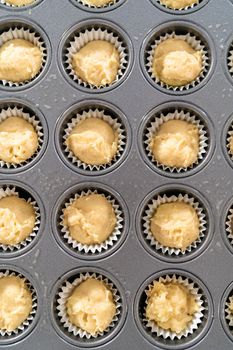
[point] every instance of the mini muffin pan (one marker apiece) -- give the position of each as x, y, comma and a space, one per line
132, 180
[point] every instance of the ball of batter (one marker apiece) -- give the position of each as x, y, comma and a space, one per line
176, 144
178, 4
20, 60
175, 225
17, 220
93, 141
16, 302
91, 306
97, 63
176, 63
171, 306
18, 140
19, 2
90, 219
97, 3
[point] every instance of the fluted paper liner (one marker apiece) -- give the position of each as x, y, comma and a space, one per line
93, 248
177, 115
230, 60
230, 136
12, 191
66, 291
182, 8
229, 312
34, 121
197, 317
80, 40
113, 2
32, 37
154, 204
229, 223
195, 43
113, 122
30, 317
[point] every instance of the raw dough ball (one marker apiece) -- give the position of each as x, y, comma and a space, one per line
176, 144
97, 3
97, 63
175, 225
171, 306
178, 4
93, 141
90, 219
17, 220
91, 306
19, 2
16, 302
176, 63
18, 140
20, 60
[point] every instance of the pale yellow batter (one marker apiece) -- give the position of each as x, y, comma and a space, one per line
17, 220
15, 302
178, 4
97, 3
18, 140
20, 2
176, 63
93, 141
20, 60
97, 63
175, 225
171, 306
91, 306
176, 144
231, 145
90, 219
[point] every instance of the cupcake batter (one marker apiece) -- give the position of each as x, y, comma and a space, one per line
178, 4
176, 144
91, 306
16, 302
17, 220
176, 63
20, 2
97, 63
175, 225
97, 3
93, 141
90, 219
20, 60
18, 140
171, 306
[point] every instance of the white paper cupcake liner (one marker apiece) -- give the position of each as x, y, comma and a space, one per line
15, 6
230, 60
195, 43
229, 225
13, 192
32, 37
67, 289
182, 8
93, 248
31, 316
113, 2
19, 112
177, 115
113, 122
154, 204
197, 317
229, 138
229, 312
81, 39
